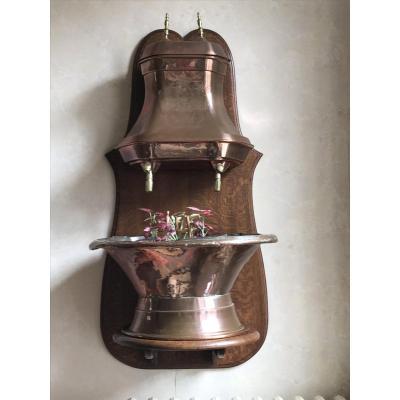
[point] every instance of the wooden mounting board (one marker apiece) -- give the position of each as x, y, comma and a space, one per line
175, 189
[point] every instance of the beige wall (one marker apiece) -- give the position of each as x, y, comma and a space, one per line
291, 62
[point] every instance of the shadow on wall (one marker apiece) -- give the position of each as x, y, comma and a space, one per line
86, 370
82, 368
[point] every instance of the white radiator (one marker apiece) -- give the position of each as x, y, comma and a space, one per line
337, 397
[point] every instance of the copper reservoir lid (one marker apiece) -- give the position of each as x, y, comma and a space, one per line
185, 48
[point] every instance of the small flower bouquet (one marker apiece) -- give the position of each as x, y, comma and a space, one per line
163, 226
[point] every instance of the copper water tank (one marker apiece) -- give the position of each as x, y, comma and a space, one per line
184, 117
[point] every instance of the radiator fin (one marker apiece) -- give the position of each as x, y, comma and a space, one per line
318, 397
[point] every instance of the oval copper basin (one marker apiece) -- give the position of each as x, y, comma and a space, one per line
182, 268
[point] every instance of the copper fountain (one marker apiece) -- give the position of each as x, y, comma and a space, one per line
183, 286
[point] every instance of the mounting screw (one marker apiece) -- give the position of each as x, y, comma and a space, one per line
219, 353
149, 354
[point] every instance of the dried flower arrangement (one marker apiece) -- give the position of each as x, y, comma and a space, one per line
162, 225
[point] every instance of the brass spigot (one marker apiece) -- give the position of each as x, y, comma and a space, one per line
166, 25
218, 177
148, 170
200, 25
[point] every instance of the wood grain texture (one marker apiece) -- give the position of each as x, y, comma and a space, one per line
175, 187
174, 190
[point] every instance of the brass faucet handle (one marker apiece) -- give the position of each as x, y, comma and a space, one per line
166, 25
200, 25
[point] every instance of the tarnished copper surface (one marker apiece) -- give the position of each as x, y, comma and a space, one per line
183, 285
184, 115
186, 48
184, 151
243, 338
185, 318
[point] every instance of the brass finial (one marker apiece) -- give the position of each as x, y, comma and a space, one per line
200, 25
166, 25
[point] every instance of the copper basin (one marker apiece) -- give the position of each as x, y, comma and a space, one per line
183, 285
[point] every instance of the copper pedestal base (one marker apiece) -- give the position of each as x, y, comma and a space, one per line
185, 318
247, 336
216, 347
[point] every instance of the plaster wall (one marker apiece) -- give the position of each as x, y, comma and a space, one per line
291, 59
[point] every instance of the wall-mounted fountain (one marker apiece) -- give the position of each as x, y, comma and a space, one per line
189, 301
